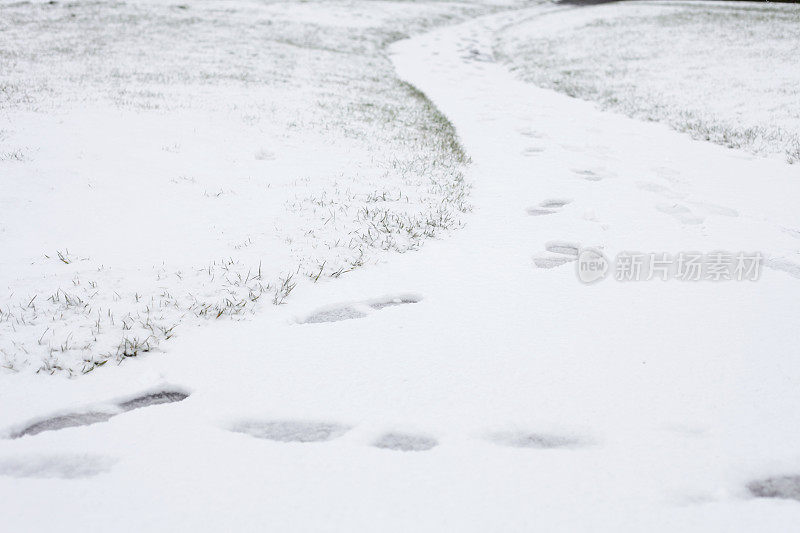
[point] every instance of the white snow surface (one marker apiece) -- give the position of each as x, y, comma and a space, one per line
725, 72
459, 388
167, 164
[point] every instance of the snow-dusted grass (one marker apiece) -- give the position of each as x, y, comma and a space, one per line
723, 72
163, 164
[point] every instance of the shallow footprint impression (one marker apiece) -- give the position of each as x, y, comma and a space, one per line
538, 211
357, 309
544, 441
69, 420
56, 466
548, 207
784, 487
392, 302
153, 398
588, 175
551, 261
62, 422
334, 315
681, 213
291, 430
405, 442
557, 253
555, 203
532, 150
564, 248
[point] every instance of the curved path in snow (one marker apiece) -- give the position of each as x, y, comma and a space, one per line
476, 385
641, 184
689, 384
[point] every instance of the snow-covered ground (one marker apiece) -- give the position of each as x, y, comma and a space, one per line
475, 384
163, 164
726, 72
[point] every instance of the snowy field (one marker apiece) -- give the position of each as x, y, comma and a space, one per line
165, 163
193, 165
724, 73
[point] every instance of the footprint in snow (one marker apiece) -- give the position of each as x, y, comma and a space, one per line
784, 487
548, 207
392, 302
533, 134
682, 210
588, 175
557, 253
784, 265
669, 174
532, 150
264, 155
291, 430
792, 232
62, 422
476, 55
550, 261
334, 315
562, 247
405, 442
681, 213
64, 466
574, 148
657, 188
716, 209
153, 398
542, 441
357, 309
89, 417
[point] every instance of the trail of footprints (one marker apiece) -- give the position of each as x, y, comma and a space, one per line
310, 431
305, 431
285, 431
558, 253
301, 431
682, 212
76, 466
70, 465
